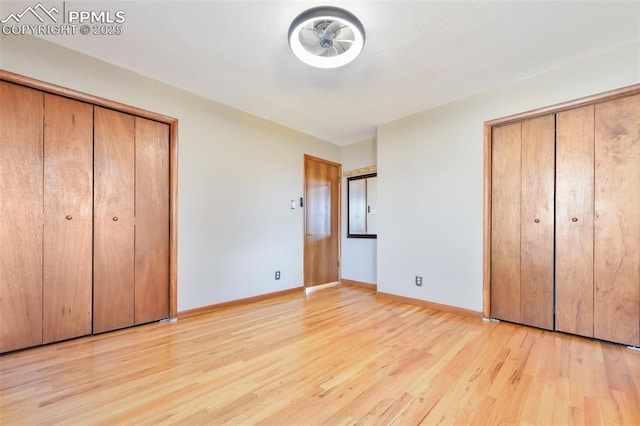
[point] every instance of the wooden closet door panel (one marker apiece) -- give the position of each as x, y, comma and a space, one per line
505, 222
537, 217
114, 171
68, 218
574, 220
152, 221
617, 221
21, 177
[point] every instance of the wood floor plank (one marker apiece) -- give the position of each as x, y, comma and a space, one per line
336, 357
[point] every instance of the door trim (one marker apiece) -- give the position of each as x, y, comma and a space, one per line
488, 130
173, 160
304, 216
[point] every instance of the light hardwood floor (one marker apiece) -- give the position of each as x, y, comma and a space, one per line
338, 356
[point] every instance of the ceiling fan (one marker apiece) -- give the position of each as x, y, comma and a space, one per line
326, 37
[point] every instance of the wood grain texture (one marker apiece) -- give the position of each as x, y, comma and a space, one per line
431, 305
617, 221
574, 237
488, 127
360, 171
238, 302
362, 284
68, 219
486, 223
537, 222
505, 222
152, 221
173, 219
322, 221
21, 185
114, 172
117, 106
339, 356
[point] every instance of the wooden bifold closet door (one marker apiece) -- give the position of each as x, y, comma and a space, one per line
617, 221
574, 220
597, 221
85, 215
21, 228
68, 218
113, 265
506, 196
151, 295
46, 182
522, 222
131, 220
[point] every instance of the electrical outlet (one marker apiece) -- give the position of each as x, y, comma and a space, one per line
418, 280
277, 275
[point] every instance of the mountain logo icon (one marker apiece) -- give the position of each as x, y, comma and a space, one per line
39, 11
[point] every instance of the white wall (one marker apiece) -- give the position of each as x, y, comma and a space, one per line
358, 254
237, 174
430, 221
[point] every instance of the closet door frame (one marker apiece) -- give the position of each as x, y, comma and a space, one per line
488, 131
173, 160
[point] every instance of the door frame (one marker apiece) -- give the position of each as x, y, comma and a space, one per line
488, 131
173, 160
304, 217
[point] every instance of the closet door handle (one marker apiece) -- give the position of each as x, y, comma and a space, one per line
574, 219
115, 218
536, 220
69, 217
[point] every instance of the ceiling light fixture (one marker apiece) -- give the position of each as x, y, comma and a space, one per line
326, 37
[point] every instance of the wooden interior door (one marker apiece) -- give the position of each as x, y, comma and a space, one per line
68, 218
505, 221
537, 222
322, 221
574, 220
114, 174
152, 221
21, 203
617, 221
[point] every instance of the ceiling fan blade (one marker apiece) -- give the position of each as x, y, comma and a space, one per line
332, 28
311, 30
343, 41
311, 42
332, 51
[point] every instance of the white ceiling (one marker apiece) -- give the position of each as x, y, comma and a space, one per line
418, 54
